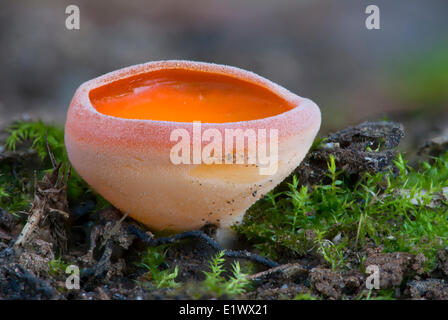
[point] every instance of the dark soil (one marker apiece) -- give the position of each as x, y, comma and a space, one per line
100, 243
368, 147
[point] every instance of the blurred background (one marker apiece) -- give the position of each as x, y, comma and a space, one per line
319, 49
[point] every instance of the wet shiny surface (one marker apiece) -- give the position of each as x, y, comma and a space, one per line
186, 96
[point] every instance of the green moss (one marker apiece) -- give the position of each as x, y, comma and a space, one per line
216, 283
305, 296
388, 294
43, 139
38, 134
401, 212
15, 190
218, 286
57, 266
153, 260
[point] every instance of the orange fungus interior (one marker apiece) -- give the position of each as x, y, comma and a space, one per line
185, 96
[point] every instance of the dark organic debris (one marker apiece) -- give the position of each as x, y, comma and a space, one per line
49, 212
24, 264
99, 270
289, 271
394, 267
434, 289
443, 261
26, 285
335, 284
37, 258
200, 235
7, 221
108, 236
19, 156
102, 242
368, 147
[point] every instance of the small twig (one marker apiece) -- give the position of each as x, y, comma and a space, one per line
98, 270
63, 213
32, 223
287, 271
50, 153
69, 175
114, 230
39, 206
199, 234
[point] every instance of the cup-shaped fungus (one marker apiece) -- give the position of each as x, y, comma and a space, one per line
179, 144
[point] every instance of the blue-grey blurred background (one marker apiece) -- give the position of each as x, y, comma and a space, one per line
319, 49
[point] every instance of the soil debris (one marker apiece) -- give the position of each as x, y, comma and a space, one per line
443, 261
7, 221
394, 267
289, 271
367, 147
108, 247
336, 284
110, 237
25, 285
429, 289
48, 215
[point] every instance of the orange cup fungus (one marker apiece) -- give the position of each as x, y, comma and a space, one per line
179, 144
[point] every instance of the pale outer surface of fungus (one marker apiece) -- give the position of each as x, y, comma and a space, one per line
128, 162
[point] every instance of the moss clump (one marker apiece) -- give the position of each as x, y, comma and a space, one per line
218, 286
15, 191
57, 266
153, 260
402, 210
48, 142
